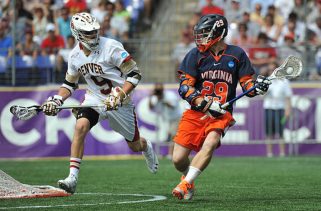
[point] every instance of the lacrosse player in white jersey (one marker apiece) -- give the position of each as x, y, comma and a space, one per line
111, 74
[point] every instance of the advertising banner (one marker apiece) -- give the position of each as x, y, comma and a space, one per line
44, 136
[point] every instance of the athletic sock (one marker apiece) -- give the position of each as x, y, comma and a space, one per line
74, 166
192, 174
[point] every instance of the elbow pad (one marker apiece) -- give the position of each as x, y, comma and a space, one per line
132, 72
70, 86
70, 83
134, 77
188, 93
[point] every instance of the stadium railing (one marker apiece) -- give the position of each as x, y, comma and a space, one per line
152, 55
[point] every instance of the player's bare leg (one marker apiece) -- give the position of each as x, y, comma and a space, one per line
185, 189
77, 151
181, 162
180, 158
145, 146
204, 156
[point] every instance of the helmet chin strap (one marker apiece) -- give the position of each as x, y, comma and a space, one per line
216, 41
87, 46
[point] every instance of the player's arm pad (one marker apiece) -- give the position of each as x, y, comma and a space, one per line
247, 83
70, 83
132, 72
186, 88
188, 93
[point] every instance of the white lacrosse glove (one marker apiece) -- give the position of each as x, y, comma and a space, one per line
115, 99
210, 107
262, 85
50, 106
215, 109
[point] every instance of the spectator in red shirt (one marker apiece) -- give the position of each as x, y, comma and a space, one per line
75, 6
52, 43
262, 54
210, 8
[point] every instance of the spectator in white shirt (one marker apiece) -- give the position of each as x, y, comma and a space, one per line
277, 108
167, 106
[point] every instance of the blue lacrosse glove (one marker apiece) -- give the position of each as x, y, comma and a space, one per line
262, 85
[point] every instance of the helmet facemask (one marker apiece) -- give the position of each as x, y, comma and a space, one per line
90, 39
204, 39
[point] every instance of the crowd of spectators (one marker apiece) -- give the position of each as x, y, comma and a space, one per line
42, 30
268, 30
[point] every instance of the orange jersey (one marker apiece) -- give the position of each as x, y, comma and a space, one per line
192, 131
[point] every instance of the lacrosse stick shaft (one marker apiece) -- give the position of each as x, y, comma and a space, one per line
225, 105
38, 107
80, 106
243, 94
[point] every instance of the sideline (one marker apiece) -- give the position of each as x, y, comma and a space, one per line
153, 198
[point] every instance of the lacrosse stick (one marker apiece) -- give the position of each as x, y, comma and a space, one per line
25, 113
291, 68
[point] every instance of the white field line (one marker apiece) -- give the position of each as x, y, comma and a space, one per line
154, 198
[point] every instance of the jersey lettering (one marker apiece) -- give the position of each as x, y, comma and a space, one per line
217, 74
90, 68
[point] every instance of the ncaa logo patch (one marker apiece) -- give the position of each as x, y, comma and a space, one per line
231, 64
124, 55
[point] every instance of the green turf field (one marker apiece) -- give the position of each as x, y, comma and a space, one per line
227, 184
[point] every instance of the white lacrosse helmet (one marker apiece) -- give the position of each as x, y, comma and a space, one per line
84, 28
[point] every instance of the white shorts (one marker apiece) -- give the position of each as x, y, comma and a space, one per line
122, 121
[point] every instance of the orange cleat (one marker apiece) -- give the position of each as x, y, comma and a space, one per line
184, 190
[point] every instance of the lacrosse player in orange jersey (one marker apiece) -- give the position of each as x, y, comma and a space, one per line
111, 74
209, 75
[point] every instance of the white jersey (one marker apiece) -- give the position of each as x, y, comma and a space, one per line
275, 98
101, 68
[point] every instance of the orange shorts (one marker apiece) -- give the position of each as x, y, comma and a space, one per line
192, 131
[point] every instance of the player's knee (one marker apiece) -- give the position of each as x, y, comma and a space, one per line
210, 146
82, 128
177, 160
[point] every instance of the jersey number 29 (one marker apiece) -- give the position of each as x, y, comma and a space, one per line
219, 89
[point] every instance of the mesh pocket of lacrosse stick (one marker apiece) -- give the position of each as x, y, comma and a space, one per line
24, 113
291, 68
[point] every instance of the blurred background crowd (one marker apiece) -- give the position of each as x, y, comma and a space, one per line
40, 34
268, 30
37, 33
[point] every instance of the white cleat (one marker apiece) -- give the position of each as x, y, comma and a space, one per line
69, 184
151, 158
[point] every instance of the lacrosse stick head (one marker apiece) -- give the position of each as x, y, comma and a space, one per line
24, 113
291, 68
